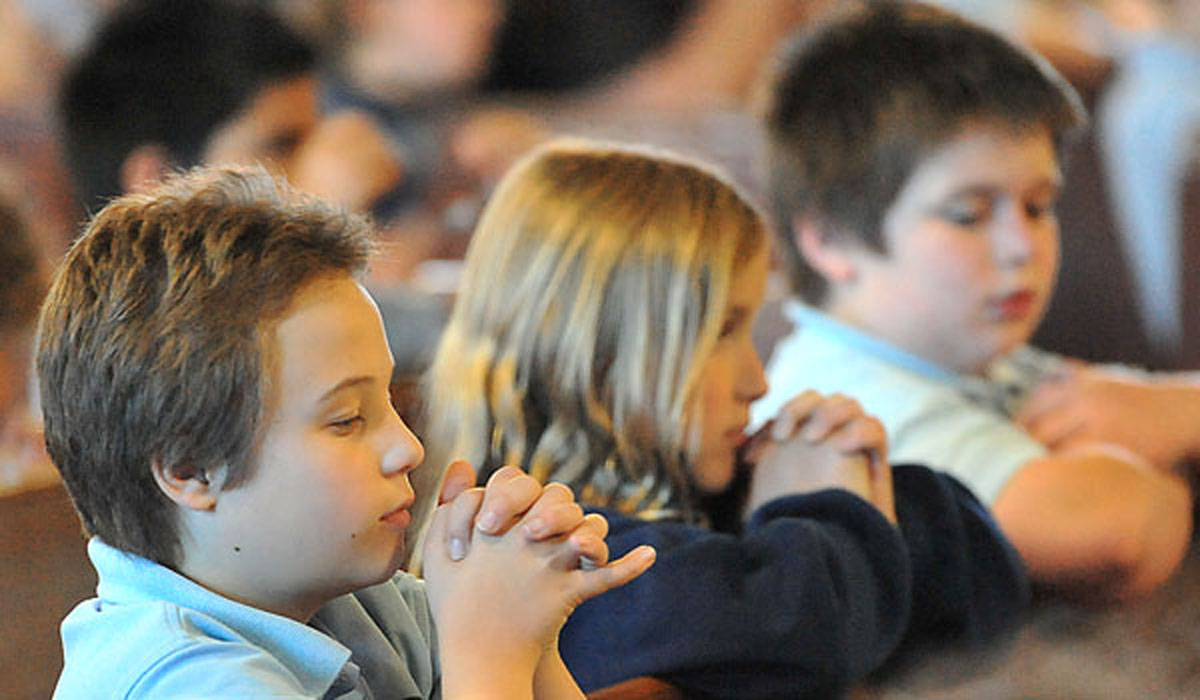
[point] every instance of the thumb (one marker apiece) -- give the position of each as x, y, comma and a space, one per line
459, 477
617, 573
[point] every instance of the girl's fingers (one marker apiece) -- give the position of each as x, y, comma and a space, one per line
794, 413
829, 415
882, 494
861, 434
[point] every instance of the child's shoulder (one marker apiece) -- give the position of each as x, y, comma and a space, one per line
161, 649
389, 627
154, 633
830, 357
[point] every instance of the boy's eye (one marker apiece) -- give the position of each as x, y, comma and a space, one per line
1039, 210
345, 426
965, 214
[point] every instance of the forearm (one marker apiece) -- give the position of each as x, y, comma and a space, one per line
552, 680
1096, 527
1182, 403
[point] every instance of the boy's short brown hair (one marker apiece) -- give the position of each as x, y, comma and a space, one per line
856, 104
153, 341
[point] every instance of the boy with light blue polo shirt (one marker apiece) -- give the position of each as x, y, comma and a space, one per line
913, 165
215, 386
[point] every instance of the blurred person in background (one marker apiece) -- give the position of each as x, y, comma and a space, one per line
416, 66
164, 85
23, 461
1149, 134
643, 54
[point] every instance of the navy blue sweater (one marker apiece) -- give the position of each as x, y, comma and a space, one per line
818, 591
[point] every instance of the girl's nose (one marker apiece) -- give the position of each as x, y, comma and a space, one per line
752, 384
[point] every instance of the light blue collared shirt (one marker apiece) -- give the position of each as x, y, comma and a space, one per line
153, 633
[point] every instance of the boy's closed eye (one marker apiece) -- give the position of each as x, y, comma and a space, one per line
347, 425
1042, 204
968, 210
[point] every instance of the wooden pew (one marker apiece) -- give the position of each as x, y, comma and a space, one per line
44, 572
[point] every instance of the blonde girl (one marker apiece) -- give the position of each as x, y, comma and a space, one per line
601, 338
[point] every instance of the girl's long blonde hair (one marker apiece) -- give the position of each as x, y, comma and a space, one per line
595, 285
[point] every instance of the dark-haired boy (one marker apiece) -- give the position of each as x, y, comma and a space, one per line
215, 387
914, 164
169, 85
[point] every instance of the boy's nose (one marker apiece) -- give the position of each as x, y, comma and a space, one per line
1015, 240
403, 452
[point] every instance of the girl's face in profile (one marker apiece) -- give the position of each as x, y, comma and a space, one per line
731, 378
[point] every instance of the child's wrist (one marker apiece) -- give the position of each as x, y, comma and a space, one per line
478, 668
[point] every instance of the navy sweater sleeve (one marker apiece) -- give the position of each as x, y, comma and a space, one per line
813, 595
816, 593
969, 584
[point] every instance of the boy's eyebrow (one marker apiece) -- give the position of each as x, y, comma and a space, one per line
972, 190
345, 384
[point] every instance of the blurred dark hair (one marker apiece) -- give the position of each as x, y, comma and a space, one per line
168, 72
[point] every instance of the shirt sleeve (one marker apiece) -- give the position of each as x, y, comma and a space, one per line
981, 448
813, 595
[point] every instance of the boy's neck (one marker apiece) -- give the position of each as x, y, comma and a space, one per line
867, 324
227, 575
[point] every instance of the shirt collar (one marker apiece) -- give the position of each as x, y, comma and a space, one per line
314, 658
809, 318
1003, 388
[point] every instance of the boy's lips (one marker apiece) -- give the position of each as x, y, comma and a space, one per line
1014, 306
398, 518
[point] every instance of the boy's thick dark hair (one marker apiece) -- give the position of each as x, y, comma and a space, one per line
154, 340
169, 73
856, 104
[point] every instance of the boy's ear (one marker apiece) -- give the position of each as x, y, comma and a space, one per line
186, 485
823, 252
145, 166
